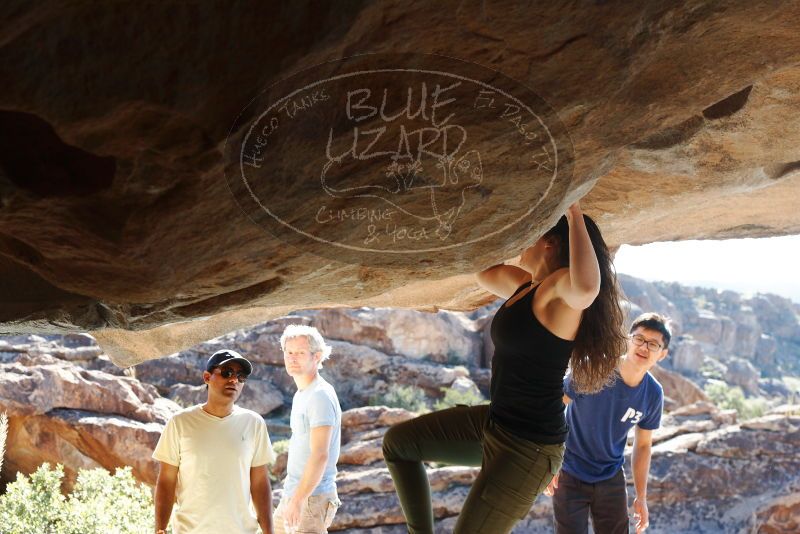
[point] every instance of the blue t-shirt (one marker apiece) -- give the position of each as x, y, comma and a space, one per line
316, 405
599, 425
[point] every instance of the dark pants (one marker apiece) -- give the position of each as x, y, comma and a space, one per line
514, 471
607, 501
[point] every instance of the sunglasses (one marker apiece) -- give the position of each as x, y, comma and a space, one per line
227, 373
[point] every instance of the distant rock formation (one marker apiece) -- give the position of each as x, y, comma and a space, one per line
711, 472
60, 412
744, 341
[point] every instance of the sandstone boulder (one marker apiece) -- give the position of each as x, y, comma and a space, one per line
764, 356
358, 452
166, 372
680, 443
647, 298
355, 372
706, 327
62, 413
748, 332
378, 479
697, 486
258, 395
104, 364
774, 387
368, 509
785, 409
443, 337
259, 344
465, 386
700, 407
26, 391
370, 417
687, 355
678, 388
742, 373
781, 515
777, 315
79, 439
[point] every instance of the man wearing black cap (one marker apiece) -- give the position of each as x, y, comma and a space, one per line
214, 460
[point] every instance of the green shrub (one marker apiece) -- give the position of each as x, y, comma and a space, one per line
101, 503
406, 397
34, 504
453, 397
792, 383
727, 398
708, 370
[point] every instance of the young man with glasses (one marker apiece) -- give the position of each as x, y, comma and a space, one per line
309, 499
592, 481
214, 460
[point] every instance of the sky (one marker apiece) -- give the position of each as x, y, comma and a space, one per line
768, 265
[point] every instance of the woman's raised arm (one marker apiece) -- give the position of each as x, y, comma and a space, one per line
581, 285
502, 280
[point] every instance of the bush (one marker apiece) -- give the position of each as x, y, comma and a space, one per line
406, 397
792, 384
101, 503
34, 504
710, 368
727, 398
454, 397
280, 446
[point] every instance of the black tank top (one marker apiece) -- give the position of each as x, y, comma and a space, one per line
528, 370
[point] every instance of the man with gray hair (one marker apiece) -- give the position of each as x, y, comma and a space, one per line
309, 499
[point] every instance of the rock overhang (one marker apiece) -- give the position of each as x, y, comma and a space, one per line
117, 217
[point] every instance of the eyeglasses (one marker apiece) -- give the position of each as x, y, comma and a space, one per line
227, 373
639, 340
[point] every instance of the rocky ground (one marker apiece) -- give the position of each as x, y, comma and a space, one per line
711, 471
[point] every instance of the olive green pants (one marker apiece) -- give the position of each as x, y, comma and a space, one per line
514, 471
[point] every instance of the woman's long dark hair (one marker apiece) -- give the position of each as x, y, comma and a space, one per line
601, 339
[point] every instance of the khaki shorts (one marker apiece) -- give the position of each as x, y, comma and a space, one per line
317, 515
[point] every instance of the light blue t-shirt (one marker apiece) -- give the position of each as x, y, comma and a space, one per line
316, 405
599, 425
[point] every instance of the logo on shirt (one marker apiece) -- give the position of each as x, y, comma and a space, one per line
633, 415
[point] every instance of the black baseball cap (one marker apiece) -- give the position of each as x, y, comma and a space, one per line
226, 356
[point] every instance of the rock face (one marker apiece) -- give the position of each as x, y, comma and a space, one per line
709, 483
361, 373
117, 217
60, 412
443, 337
781, 515
681, 390
260, 396
698, 459
745, 341
699, 454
